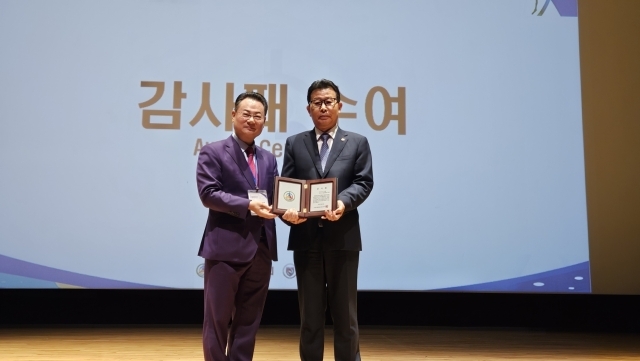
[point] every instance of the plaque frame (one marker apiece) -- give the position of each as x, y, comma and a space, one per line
305, 196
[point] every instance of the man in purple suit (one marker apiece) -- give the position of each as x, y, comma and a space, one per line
235, 181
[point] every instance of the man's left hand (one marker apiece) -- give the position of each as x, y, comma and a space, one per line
336, 214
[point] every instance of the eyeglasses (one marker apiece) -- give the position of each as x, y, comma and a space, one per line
247, 116
329, 103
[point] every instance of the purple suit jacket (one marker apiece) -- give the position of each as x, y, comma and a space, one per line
223, 177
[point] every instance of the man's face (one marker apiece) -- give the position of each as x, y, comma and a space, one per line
248, 120
324, 117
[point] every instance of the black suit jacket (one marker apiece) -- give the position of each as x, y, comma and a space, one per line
350, 161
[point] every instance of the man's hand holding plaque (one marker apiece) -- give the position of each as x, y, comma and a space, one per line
334, 215
291, 216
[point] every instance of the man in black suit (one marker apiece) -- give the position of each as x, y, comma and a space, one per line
326, 250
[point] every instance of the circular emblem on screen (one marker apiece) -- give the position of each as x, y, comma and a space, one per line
200, 270
289, 196
289, 271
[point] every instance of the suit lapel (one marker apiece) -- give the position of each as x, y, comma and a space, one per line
234, 150
339, 142
312, 147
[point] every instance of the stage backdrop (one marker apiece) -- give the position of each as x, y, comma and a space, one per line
472, 110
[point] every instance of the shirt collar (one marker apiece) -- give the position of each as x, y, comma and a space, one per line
332, 132
242, 144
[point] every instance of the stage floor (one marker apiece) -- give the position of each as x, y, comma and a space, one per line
144, 343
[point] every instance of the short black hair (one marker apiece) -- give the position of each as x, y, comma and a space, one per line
252, 95
322, 84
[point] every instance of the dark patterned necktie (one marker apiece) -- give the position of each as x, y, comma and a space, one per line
324, 149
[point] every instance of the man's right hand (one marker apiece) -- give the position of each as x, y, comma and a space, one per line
291, 216
261, 209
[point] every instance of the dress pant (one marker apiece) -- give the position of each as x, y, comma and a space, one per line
234, 296
328, 277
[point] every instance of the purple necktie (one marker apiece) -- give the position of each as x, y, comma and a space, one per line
252, 164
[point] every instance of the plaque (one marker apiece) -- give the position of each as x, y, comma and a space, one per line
310, 198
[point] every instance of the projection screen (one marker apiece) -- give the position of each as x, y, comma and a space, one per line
472, 110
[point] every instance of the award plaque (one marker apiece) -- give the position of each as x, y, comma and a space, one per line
310, 198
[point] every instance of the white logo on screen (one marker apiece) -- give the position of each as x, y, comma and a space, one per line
200, 270
289, 271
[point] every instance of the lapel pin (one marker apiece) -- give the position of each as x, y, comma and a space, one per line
342, 139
